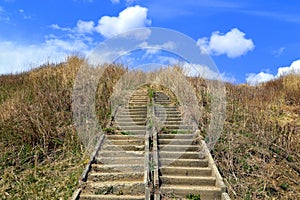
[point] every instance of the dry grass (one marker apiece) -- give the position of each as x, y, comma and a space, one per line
41, 156
258, 152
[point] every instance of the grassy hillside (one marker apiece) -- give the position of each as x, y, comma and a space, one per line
41, 156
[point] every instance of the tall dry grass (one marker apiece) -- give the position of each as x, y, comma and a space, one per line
258, 151
41, 156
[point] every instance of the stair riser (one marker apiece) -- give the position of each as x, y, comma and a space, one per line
178, 193
125, 148
132, 189
132, 123
108, 197
187, 181
132, 116
179, 155
116, 177
120, 160
186, 172
126, 142
124, 137
132, 127
123, 168
176, 136
178, 148
121, 154
174, 142
183, 163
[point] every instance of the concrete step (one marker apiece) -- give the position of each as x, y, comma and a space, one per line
172, 147
175, 122
133, 127
130, 119
123, 147
138, 103
119, 160
163, 102
169, 116
179, 155
125, 142
136, 107
187, 180
166, 108
115, 187
129, 115
186, 171
206, 192
183, 162
133, 132
120, 154
125, 137
111, 197
180, 127
175, 141
132, 123
177, 131
176, 136
133, 112
110, 168
117, 176
168, 112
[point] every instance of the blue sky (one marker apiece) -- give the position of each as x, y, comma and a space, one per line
250, 41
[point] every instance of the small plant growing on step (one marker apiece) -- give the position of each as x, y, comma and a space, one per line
193, 197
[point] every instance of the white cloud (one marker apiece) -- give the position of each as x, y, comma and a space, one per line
233, 43
254, 79
16, 57
85, 26
128, 19
293, 69
154, 49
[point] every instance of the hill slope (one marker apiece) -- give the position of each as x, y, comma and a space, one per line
41, 156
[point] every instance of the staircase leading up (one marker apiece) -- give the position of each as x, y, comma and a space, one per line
183, 172
149, 153
118, 168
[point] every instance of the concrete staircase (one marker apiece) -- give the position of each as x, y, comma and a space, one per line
119, 167
183, 172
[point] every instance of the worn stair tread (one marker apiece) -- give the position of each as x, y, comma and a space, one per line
111, 196
113, 176
119, 153
191, 187
189, 177
118, 167
180, 155
185, 171
111, 183
127, 147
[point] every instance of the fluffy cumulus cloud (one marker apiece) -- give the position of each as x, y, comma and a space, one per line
130, 18
85, 26
233, 43
254, 79
108, 26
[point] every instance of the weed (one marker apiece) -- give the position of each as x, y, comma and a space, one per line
193, 197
